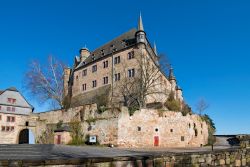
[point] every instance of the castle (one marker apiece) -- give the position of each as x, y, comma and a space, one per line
113, 69
125, 73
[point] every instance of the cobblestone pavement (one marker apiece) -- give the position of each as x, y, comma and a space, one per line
57, 152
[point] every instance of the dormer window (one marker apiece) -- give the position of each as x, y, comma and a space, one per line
112, 46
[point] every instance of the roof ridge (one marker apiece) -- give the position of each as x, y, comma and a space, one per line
106, 49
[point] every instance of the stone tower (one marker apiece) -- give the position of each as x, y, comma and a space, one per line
66, 76
172, 79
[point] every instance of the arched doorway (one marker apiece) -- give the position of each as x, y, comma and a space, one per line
26, 137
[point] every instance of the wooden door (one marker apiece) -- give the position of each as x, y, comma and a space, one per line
156, 141
58, 139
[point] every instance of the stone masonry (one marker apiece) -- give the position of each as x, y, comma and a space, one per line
139, 130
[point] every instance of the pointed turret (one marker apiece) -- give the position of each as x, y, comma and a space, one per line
155, 49
171, 74
140, 25
140, 34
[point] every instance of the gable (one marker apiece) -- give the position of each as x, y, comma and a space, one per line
20, 100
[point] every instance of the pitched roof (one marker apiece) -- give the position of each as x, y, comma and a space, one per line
1, 91
123, 41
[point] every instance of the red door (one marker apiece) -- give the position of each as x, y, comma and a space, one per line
58, 139
156, 141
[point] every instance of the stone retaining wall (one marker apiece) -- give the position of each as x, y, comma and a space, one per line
232, 157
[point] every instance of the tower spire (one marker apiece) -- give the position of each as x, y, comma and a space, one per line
155, 49
140, 25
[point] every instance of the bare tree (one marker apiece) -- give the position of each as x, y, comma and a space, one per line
45, 83
146, 80
201, 106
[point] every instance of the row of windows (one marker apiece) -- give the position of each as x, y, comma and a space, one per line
8, 119
7, 128
11, 100
117, 77
117, 60
12, 109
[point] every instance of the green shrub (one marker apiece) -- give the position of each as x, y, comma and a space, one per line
76, 133
186, 109
132, 110
211, 129
172, 104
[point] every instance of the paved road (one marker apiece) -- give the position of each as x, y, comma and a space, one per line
57, 152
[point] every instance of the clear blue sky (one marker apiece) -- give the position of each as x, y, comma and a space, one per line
208, 43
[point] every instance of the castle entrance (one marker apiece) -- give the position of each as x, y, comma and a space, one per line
24, 137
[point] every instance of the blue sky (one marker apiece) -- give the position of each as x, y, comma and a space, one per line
208, 43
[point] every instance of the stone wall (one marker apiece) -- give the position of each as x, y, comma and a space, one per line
171, 128
233, 157
141, 129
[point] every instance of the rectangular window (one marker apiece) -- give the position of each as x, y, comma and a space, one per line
84, 87
0, 117
94, 68
105, 80
131, 73
3, 128
12, 119
182, 138
9, 100
7, 128
131, 55
0, 107
13, 109
94, 83
117, 77
12, 128
84, 72
8, 108
105, 64
117, 60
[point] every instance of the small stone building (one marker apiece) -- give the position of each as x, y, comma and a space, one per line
15, 117
62, 135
